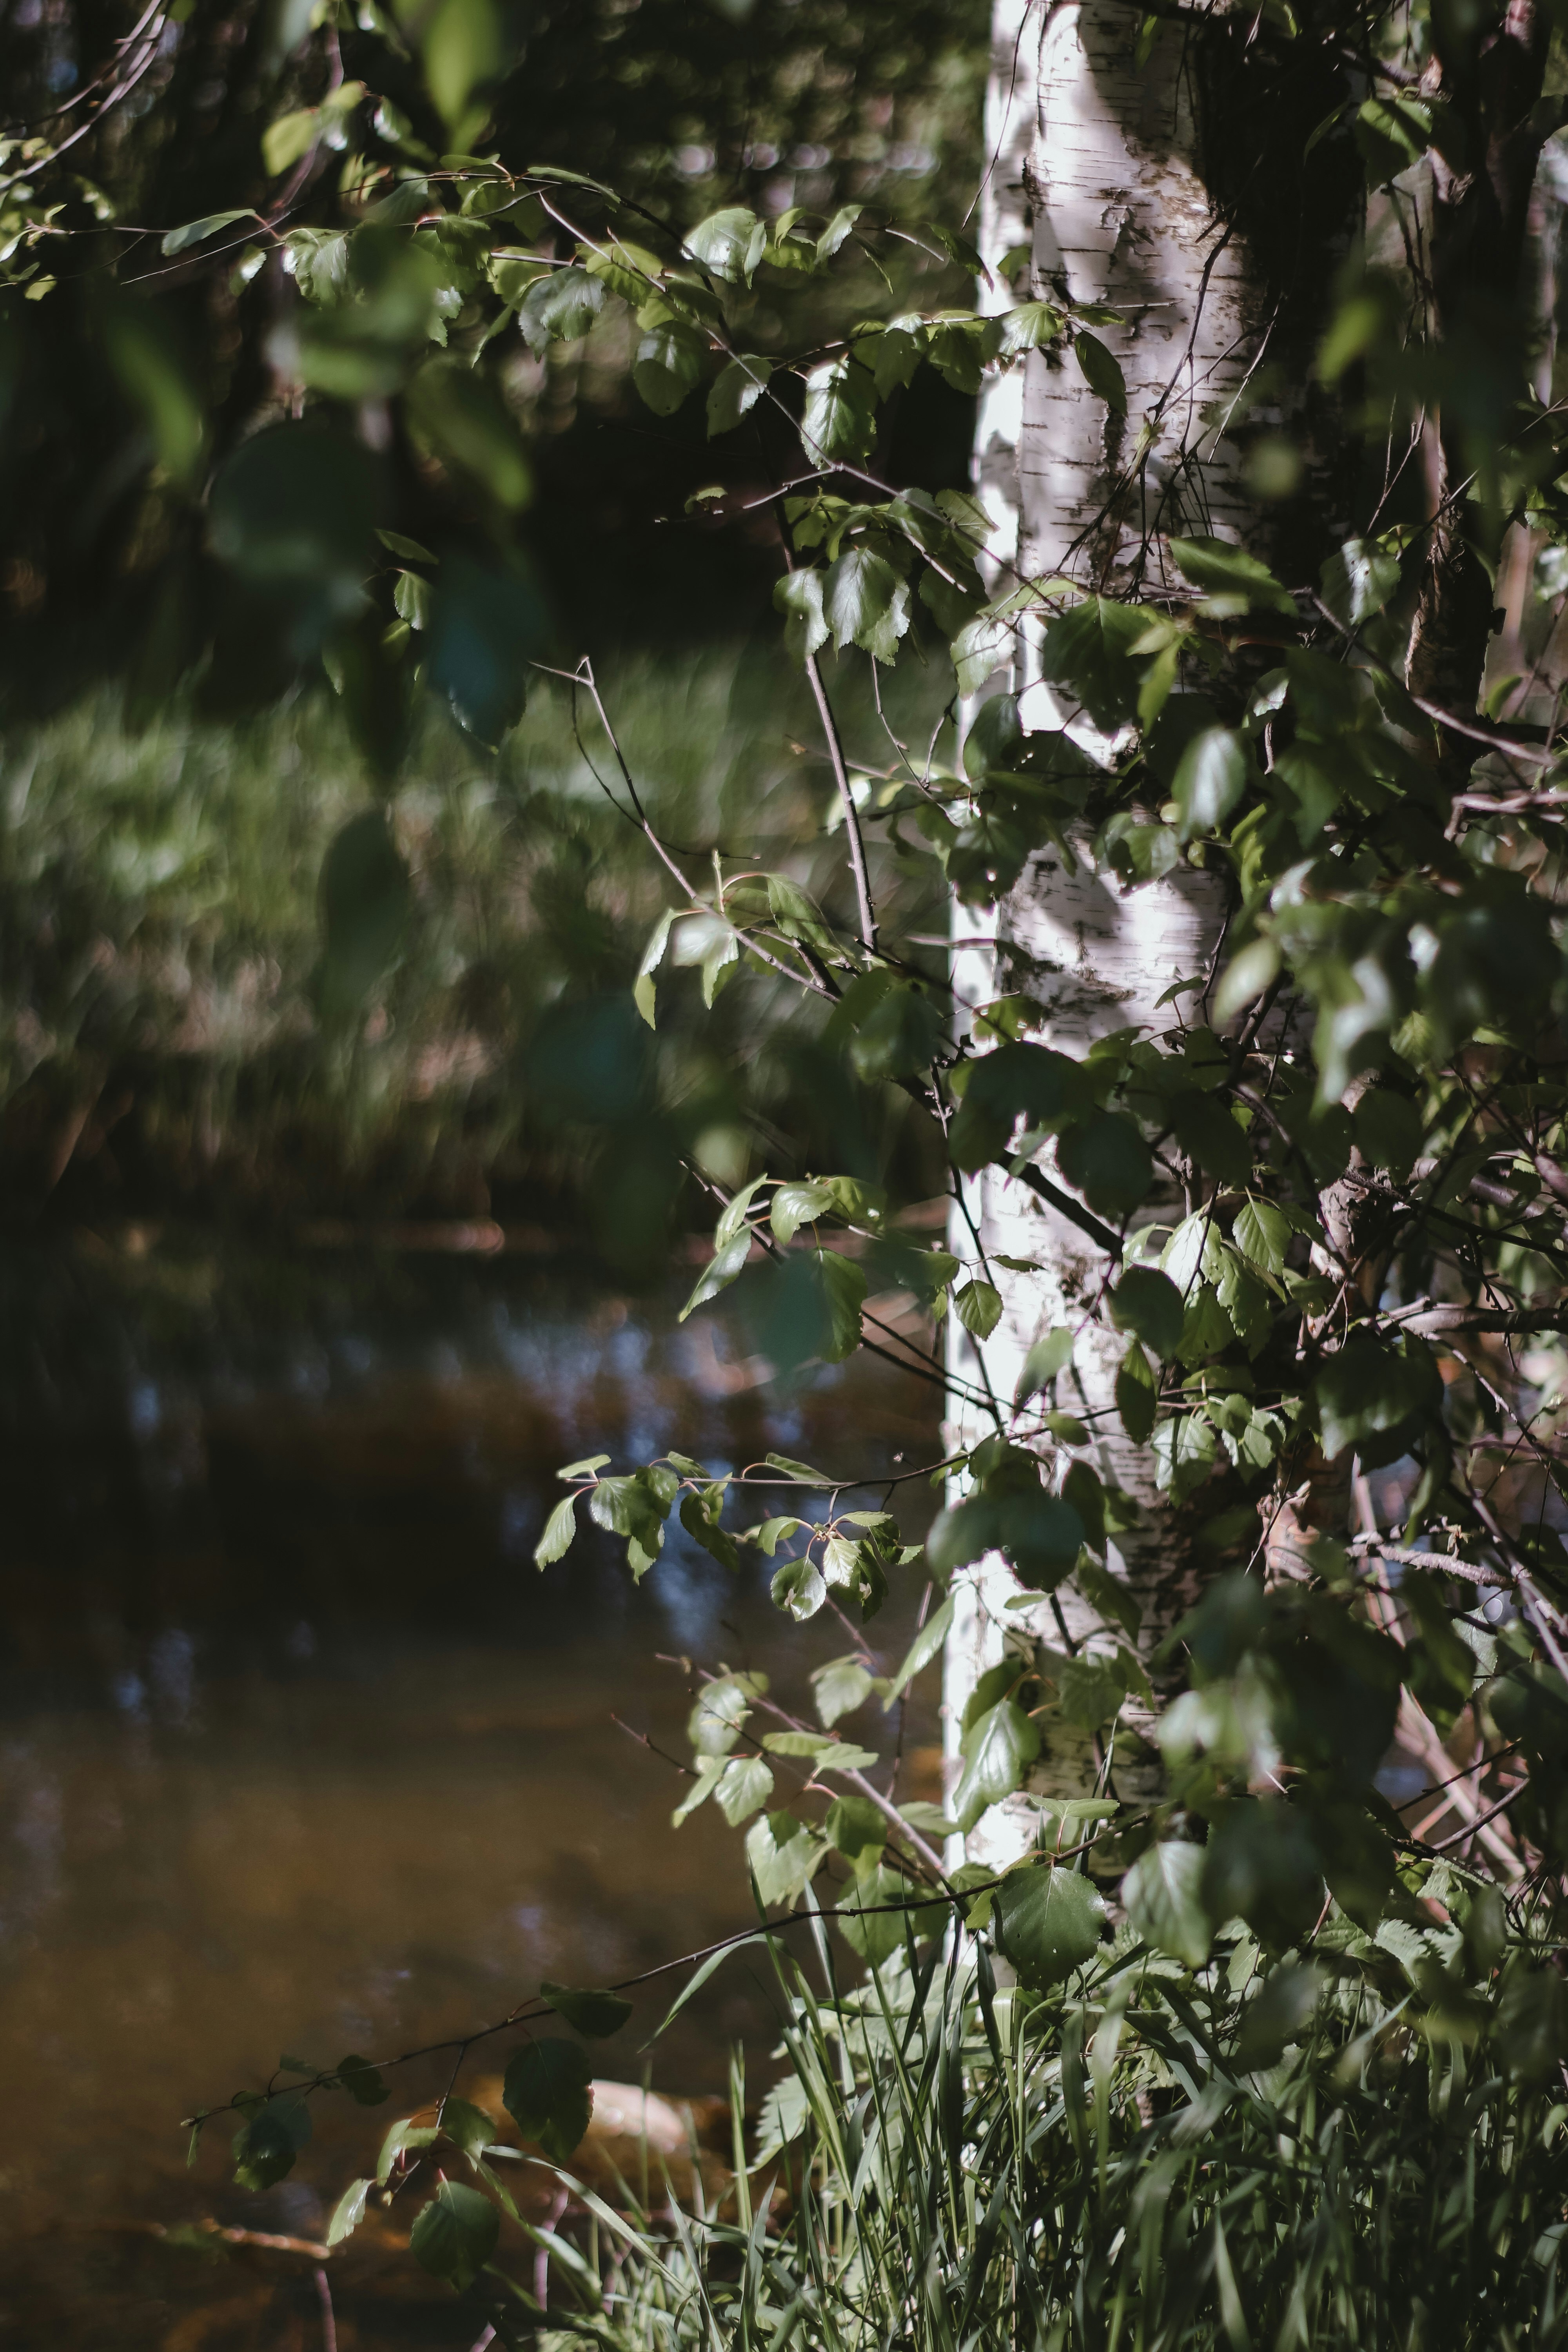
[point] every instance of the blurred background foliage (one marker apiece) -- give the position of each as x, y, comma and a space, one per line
167, 1017
179, 1026
104, 566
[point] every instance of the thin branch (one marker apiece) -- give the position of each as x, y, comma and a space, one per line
851, 813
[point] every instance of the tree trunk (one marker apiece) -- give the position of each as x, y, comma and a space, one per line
1479, 305
1095, 169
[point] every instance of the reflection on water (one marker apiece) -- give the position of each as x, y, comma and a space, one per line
298, 1750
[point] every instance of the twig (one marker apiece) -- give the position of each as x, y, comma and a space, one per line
329, 2318
851, 813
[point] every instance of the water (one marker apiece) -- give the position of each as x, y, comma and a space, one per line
300, 1754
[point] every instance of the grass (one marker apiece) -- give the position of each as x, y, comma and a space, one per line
1141, 2160
161, 1036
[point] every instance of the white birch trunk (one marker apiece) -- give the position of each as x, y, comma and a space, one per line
1094, 166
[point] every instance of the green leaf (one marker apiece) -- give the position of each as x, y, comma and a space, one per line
546, 2094
467, 2126
196, 232
814, 1309
1226, 571
899, 1037
1107, 1594
1262, 1233
1532, 2023
266, 2142
559, 308
735, 391
560, 1533
625, 269
1368, 1389
1211, 777
929, 1820
998, 1750
840, 1688
770, 1533
411, 599
1041, 1534
464, 52
1388, 1130
1248, 974
744, 1787
959, 348
798, 1589
1090, 1690
1262, 1863
1148, 1304
839, 419
951, 606
596, 2014
834, 236
630, 1507
455, 2236
1101, 372
487, 624
1030, 327
1032, 1082
963, 1532
1051, 1354
720, 1709
463, 418
1108, 1162
361, 2080
1137, 1395
802, 1472
1445, 1665
781, 1853
1392, 133
1278, 2015
826, 1753
1208, 1133
866, 604
1358, 581
855, 1826
978, 1306
668, 365
643, 987
798, 596
1164, 1902
798, 1204
926, 1645
722, 1268
1090, 652
875, 1933
980, 647
154, 377
404, 2137
729, 244
708, 1774
1048, 1922
699, 1517
287, 139
348, 2213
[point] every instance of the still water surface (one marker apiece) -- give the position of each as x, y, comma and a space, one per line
299, 1753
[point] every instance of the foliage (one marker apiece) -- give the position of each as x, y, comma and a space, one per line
1149, 2158
1323, 1204
164, 952
195, 136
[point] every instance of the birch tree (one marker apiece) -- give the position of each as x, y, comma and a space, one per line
1247, 1068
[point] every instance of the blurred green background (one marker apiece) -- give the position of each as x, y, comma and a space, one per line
173, 774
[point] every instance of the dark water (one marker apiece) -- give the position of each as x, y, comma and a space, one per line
299, 1753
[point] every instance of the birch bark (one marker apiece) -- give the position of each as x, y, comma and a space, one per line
1095, 169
